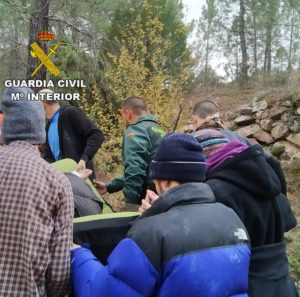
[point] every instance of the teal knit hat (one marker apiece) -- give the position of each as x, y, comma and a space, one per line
211, 140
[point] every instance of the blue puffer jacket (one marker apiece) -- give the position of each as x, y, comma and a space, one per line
185, 245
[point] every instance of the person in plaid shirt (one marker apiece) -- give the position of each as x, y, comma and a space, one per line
36, 207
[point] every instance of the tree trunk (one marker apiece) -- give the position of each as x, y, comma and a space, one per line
207, 54
268, 51
14, 45
74, 17
244, 68
39, 22
255, 42
254, 13
237, 69
291, 42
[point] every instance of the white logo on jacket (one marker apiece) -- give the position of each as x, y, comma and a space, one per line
241, 234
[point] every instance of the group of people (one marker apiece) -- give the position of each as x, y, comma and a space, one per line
182, 244
213, 208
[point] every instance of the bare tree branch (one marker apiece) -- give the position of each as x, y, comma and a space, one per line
56, 19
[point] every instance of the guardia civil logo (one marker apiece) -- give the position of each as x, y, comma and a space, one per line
37, 52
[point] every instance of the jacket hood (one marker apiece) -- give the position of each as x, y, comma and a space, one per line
251, 172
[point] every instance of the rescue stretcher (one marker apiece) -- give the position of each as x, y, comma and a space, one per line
101, 233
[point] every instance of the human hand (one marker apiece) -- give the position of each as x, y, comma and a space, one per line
81, 165
75, 246
144, 206
101, 186
148, 201
151, 196
85, 173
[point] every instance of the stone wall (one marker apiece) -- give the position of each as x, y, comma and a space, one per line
274, 123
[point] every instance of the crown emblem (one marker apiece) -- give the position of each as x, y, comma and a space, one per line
45, 36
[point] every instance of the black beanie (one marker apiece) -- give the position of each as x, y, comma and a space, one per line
179, 157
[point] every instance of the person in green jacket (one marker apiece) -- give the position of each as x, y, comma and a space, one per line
140, 141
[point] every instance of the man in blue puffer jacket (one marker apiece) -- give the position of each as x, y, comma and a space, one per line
185, 245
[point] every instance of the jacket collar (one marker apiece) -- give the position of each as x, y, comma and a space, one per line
143, 118
188, 193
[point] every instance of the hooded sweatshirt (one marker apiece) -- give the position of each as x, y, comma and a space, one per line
248, 184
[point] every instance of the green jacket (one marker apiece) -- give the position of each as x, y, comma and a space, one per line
140, 141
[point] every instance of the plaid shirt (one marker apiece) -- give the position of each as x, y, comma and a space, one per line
36, 212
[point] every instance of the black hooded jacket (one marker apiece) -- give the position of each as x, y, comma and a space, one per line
248, 184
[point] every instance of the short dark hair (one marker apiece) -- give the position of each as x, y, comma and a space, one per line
205, 108
136, 104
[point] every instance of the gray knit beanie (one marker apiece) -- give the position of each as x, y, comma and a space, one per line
23, 119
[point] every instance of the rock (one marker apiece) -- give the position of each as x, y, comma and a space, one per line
245, 110
291, 151
274, 113
229, 116
295, 127
286, 117
287, 103
295, 139
259, 114
266, 124
259, 105
277, 149
253, 140
249, 131
296, 100
230, 126
264, 114
263, 137
280, 131
244, 120
298, 110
